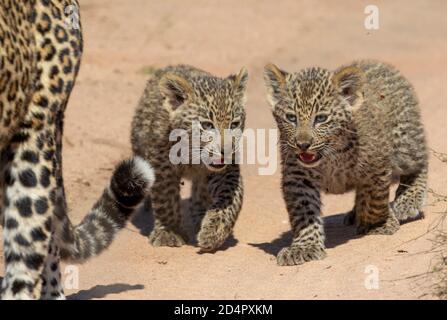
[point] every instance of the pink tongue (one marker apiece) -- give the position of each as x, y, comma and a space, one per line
219, 161
307, 157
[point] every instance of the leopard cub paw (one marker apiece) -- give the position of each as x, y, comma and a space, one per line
166, 238
389, 227
295, 255
212, 234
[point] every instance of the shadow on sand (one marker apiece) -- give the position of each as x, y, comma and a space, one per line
101, 291
143, 220
336, 234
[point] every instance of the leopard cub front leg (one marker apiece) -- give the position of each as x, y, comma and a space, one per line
165, 202
302, 197
226, 192
200, 201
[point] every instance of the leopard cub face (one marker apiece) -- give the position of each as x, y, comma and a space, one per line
313, 109
213, 106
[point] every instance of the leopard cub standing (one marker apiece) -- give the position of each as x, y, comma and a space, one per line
357, 128
179, 97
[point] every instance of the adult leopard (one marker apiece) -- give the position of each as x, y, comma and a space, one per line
40, 54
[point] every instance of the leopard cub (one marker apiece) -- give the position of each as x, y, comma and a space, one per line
179, 98
355, 128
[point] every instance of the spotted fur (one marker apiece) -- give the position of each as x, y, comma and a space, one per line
174, 98
40, 56
355, 128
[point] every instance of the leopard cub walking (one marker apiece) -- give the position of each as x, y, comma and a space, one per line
180, 97
356, 128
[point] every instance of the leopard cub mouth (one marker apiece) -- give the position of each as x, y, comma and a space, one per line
217, 165
309, 159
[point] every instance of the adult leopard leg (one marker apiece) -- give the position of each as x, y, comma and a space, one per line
52, 288
31, 178
3, 165
4, 162
29, 202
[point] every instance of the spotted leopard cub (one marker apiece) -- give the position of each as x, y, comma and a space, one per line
355, 128
181, 97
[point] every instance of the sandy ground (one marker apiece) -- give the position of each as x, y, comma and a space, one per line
126, 39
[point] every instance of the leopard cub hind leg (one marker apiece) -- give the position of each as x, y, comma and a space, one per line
410, 196
408, 203
372, 211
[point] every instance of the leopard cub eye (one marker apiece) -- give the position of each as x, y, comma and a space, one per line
320, 118
291, 118
207, 125
235, 124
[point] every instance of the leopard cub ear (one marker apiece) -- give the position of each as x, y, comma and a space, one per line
276, 82
239, 83
175, 89
349, 82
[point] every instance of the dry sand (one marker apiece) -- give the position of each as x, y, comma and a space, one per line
126, 39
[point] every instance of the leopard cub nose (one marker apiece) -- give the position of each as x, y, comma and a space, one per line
303, 145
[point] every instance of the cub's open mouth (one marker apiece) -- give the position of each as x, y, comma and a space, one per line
309, 158
218, 164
